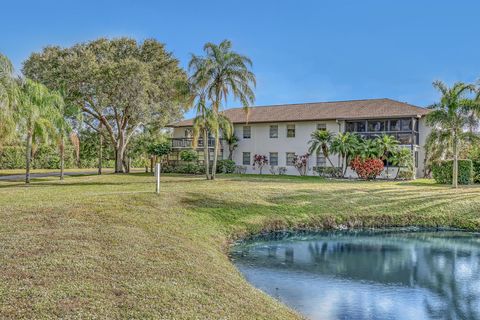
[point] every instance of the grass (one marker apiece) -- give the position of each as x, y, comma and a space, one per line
108, 247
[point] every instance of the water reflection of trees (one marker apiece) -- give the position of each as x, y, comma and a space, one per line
449, 267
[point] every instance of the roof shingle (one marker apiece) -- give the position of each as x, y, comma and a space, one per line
352, 109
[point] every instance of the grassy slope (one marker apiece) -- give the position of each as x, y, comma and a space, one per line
107, 247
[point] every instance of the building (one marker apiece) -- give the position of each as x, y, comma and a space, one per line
282, 131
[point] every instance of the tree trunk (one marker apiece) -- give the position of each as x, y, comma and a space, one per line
206, 154
455, 162
215, 155
62, 157
28, 157
100, 150
152, 163
230, 153
119, 154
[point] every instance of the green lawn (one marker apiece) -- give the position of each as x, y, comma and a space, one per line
108, 247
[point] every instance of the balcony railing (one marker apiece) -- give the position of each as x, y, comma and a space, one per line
187, 143
404, 138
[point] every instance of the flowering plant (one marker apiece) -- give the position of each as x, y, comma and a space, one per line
368, 168
301, 163
259, 161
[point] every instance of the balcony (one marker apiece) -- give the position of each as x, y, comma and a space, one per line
187, 143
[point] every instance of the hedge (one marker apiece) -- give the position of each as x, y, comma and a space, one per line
476, 171
442, 171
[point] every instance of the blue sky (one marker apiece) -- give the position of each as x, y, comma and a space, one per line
303, 51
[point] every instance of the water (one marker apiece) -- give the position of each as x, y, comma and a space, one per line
368, 275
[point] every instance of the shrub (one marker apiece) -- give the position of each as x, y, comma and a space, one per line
188, 155
368, 168
282, 170
476, 171
442, 171
329, 172
160, 149
259, 161
241, 169
301, 162
12, 157
225, 166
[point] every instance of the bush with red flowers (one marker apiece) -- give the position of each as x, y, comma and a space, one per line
259, 161
368, 168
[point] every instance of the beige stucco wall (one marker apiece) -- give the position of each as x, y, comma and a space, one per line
261, 143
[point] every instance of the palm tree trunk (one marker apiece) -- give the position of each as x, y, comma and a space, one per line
206, 158
215, 155
28, 156
62, 157
455, 162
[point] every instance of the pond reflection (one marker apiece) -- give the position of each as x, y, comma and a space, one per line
366, 275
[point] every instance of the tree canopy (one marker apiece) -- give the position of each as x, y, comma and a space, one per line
119, 83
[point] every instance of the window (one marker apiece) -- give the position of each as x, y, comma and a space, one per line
416, 159
274, 131
376, 126
321, 162
290, 131
322, 126
246, 158
350, 127
247, 132
274, 158
406, 125
290, 157
188, 133
394, 125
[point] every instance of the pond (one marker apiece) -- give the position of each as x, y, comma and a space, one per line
390, 274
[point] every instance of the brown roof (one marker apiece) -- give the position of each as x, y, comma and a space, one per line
353, 109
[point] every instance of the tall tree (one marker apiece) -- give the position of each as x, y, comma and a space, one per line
8, 95
202, 124
321, 140
120, 84
223, 72
38, 111
452, 115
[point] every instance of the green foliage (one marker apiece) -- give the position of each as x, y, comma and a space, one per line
89, 149
188, 168
442, 171
222, 73
141, 83
321, 140
12, 157
160, 149
45, 157
403, 159
226, 166
188, 155
329, 172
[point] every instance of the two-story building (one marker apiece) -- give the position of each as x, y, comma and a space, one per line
282, 131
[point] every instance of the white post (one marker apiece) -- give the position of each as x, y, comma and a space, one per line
157, 177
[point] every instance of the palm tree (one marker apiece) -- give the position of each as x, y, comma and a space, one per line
8, 95
321, 140
387, 145
232, 141
401, 158
223, 73
451, 116
38, 110
369, 148
345, 145
203, 123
